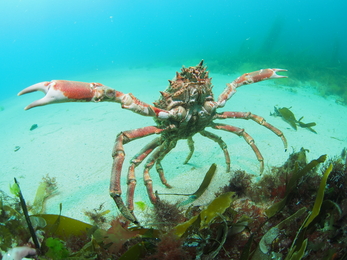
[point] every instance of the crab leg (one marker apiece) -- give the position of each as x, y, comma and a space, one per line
247, 137
131, 172
222, 145
191, 147
260, 120
245, 79
59, 91
118, 155
158, 166
158, 154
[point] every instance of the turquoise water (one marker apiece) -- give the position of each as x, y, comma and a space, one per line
44, 40
139, 45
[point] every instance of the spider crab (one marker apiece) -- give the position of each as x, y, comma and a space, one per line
185, 108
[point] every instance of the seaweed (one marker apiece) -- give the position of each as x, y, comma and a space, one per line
337, 181
117, 235
56, 249
320, 196
213, 210
135, 252
229, 227
97, 215
12, 228
167, 215
297, 174
203, 186
26, 215
64, 227
299, 241
239, 183
46, 189
265, 245
205, 183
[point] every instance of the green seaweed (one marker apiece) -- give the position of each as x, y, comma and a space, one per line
297, 255
298, 247
203, 186
135, 252
207, 179
11, 222
299, 241
266, 243
141, 205
214, 209
227, 228
46, 188
247, 248
64, 227
320, 196
225, 232
56, 249
14, 189
297, 174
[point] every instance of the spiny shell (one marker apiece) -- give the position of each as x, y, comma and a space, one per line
191, 78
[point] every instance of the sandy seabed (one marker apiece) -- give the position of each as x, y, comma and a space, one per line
73, 141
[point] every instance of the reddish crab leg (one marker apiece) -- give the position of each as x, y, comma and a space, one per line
245, 79
222, 145
59, 91
159, 168
131, 172
118, 155
260, 120
158, 154
247, 137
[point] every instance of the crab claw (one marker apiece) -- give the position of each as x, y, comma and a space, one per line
58, 91
258, 75
273, 73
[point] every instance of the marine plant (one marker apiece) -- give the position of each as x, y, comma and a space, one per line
97, 215
295, 211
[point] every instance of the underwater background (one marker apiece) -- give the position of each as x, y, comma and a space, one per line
45, 40
61, 154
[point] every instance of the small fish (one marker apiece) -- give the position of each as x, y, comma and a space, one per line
308, 125
288, 116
